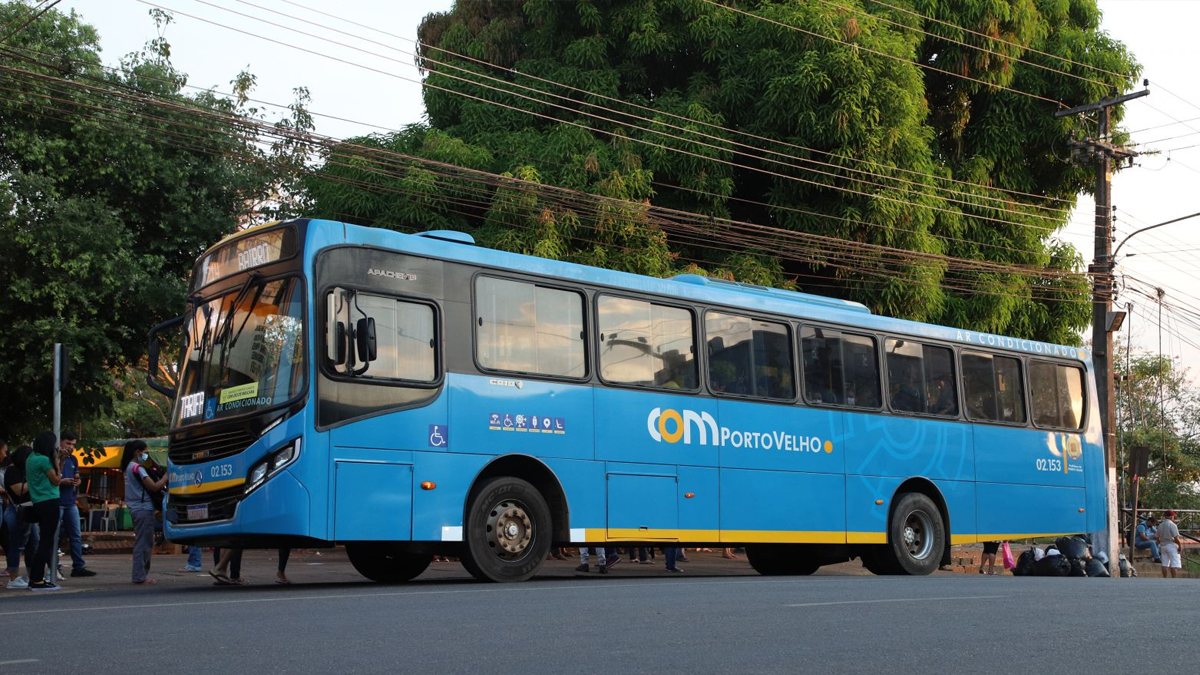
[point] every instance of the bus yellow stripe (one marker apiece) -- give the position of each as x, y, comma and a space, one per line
206, 487
777, 536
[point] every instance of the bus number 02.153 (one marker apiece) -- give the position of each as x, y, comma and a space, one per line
1049, 465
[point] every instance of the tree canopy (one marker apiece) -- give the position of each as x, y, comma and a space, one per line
871, 123
105, 203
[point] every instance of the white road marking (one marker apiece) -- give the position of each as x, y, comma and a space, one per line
881, 600
13, 663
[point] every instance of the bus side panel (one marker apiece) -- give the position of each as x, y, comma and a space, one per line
374, 501
438, 513
893, 445
699, 513
643, 503
1094, 466
499, 415
630, 427
1009, 511
583, 485
960, 508
781, 438
866, 521
782, 507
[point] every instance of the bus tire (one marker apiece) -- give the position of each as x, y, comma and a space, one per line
508, 530
916, 536
386, 562
778, 560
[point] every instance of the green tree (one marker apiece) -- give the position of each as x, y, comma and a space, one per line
105, 203
1159, 408
882, 151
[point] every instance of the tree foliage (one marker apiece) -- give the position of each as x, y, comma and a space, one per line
1159, 408
879, 150
105, 203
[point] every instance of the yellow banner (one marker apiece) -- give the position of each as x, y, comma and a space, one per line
239, 392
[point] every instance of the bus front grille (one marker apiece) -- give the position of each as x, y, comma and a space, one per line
208, 447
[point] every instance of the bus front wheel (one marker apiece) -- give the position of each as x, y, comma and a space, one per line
386, 562
508, 530
916, 536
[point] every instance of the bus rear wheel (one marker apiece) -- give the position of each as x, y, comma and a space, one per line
775, 560
386, 562
508, 530
916, 536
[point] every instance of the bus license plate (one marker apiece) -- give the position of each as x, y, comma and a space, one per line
198, 512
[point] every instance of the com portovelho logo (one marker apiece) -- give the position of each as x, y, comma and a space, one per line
700, 428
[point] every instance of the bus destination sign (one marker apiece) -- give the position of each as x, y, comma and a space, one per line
245, 253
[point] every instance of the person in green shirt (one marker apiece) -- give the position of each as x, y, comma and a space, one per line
43, 478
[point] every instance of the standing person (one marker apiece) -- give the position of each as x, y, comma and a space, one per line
672, 554
3, 496
989, 557
601, 559
1169, 545
68, 509
281, 574
1145, 535
22, 536
195, 561
138, 487
41, 474
228, 570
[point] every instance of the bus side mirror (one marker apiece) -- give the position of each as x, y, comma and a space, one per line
339, 343
364, 334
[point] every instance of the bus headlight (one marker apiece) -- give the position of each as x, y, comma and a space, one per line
272, 464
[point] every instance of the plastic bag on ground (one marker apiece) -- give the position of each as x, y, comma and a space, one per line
1025, 562
1052, 566
1077, 569
1095, 568
1072, 547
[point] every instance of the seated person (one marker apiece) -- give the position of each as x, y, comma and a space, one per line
907, 399
942, 399
1144, 537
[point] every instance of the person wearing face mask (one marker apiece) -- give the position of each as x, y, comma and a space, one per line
138, 488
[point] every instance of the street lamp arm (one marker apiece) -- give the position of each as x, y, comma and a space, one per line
1113, 256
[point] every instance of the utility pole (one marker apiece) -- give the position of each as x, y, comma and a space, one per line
1104, 152
1162, 366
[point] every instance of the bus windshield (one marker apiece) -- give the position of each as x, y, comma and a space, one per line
245, 351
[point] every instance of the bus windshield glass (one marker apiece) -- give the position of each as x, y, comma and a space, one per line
245, 351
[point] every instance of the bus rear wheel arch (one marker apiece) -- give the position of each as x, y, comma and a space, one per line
508, 530
917, 538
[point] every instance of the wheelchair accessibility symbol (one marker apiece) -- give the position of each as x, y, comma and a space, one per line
439, 435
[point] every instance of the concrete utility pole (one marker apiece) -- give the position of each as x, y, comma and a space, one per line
1103, 152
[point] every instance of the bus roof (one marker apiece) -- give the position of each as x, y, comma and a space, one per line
692, 287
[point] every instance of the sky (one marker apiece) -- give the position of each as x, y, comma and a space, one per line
385, 95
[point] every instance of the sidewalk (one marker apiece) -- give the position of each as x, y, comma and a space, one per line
330, 566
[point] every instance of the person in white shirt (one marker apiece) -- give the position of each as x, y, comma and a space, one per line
1169, 545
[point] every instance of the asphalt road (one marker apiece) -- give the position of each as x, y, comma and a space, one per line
826, 624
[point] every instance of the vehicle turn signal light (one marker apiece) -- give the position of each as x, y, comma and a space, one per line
689, 495
428, 485
878, 501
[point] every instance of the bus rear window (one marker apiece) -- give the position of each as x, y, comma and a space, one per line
1057, 392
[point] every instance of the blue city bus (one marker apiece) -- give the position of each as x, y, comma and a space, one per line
413, 395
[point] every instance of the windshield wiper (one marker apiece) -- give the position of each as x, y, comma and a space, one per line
224, 333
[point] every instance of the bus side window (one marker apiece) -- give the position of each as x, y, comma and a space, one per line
979, 386
646, 344
1010, 393
822, 349
1043, 390
861, 367
748, 357
1070, 390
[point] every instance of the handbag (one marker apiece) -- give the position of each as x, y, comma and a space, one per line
26, 514
1006, 552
